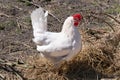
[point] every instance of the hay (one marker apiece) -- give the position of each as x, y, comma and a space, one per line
101, 53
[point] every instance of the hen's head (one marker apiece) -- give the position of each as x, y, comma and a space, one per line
77, 18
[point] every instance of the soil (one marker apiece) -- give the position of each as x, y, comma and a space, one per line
17, 48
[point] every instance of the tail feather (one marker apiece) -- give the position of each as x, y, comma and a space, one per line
46, 13
39, 21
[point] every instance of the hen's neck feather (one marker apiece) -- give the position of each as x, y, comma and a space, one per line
68, 27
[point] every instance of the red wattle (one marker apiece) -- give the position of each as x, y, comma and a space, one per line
75, 24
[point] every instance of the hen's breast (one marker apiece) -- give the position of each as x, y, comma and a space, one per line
77, 42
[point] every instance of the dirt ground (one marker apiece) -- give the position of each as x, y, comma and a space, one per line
19, 59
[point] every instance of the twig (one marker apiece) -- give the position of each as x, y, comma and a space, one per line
43, 9
103, 21
101, 13
18, 7
2, 77
10, 68
18, 24
3, 14
55, 17
112, 18
24, 44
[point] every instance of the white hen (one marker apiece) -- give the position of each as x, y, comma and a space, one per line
56, 46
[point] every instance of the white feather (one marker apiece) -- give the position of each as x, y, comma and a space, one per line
55, 46
39, 21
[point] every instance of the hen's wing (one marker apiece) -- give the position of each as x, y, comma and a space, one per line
60, 46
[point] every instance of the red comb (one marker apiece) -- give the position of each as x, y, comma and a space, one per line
78, 16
